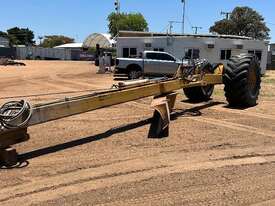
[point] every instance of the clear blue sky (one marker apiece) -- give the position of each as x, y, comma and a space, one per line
79, 18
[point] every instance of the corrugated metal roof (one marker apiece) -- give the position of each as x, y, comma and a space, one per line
104, 40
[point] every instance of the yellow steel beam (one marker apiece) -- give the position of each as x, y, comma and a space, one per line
57, 110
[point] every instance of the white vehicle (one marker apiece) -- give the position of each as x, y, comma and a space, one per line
151, 63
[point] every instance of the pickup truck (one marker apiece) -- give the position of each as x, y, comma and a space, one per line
151, 63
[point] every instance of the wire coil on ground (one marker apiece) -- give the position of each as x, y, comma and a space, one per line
15, 114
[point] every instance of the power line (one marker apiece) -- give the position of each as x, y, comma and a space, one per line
189, 22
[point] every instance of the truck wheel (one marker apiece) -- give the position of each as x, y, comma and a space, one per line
200, 94
242, 80
134, 74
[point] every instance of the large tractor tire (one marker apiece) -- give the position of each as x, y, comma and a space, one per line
242, 80
200, 94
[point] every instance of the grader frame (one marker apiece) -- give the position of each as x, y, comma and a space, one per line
163, 92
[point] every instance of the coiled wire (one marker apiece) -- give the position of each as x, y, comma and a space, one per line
15, 114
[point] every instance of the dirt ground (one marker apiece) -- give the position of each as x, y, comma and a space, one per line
214, 155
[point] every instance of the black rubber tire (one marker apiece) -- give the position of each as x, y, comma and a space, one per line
200, 94
242, 80
134, 72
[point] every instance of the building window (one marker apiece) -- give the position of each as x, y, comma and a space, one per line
133, 52
258, 53
159, 49
191, 53
129, 52
125, 52
225, 54
148, 45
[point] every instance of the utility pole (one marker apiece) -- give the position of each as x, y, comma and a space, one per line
40, 39
183, 15
117, 6
196, 28
226, 14
170, 26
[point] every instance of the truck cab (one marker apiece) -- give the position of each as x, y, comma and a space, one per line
149, 63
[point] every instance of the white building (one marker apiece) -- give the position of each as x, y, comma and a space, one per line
4, 42
215, 48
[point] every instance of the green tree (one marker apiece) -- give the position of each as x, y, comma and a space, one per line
243, 21
129, 22
56, 40
20, 36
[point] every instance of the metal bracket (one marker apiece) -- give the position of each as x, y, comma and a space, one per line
161, 119
8, 155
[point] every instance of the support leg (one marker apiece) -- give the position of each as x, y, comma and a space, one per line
171, 100
163, 107
160, 125
8, 157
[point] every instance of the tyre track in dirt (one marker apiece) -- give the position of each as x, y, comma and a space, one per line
53, 86
234, 126
129, 171
92, 179
79, 84
56, 83
212, 194
265, 203
222, 108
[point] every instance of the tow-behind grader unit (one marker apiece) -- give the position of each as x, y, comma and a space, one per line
240, 76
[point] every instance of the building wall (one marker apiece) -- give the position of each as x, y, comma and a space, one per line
177, 45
